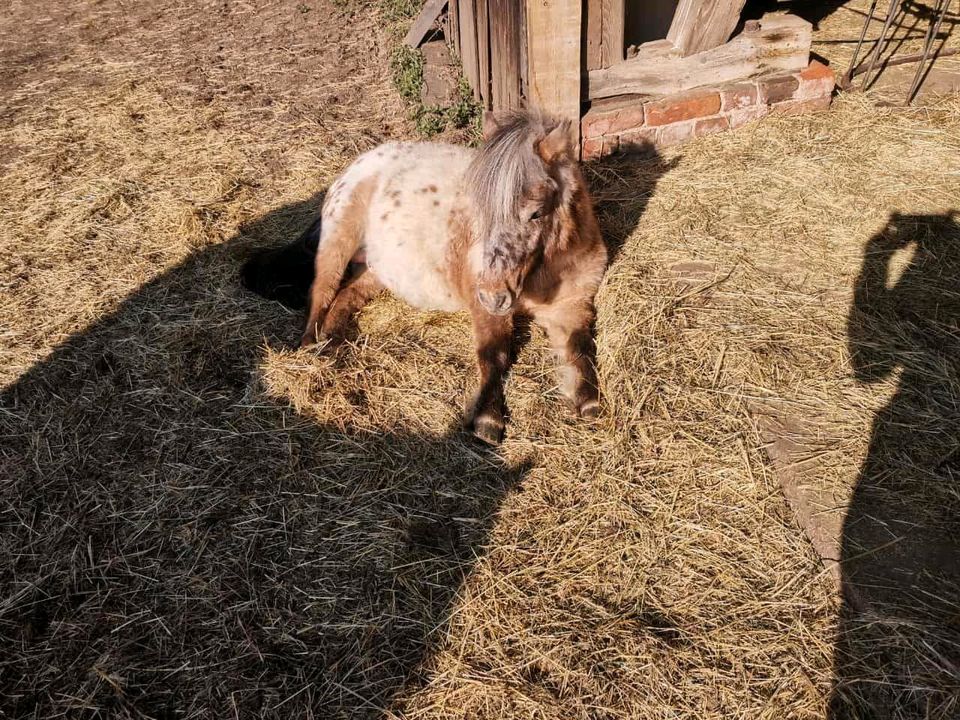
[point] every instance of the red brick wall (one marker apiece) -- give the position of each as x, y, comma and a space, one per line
622, 124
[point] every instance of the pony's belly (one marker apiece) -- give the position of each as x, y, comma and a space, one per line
417, 277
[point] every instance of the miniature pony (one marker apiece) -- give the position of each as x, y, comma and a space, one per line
503, 232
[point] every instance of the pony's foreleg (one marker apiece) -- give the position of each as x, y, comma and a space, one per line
569, 327
484, 416
349, 300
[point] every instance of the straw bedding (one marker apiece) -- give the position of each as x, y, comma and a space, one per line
200, 521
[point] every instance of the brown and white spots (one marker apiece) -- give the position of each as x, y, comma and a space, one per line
432, 188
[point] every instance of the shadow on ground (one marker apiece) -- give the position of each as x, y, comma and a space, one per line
898, 651
175, 544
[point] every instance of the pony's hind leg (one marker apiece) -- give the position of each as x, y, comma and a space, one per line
341, 237
484, 416
349, 300
569, 327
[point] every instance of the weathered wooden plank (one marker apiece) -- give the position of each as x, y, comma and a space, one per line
592, 39
469, 57
775, 42
483, 51
700, 25
522, 39
453, 13
613, 24
553, 57
505, 69
423, 22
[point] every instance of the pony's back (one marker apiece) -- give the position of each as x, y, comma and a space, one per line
396, 201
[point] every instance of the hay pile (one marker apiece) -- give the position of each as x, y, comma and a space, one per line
199, 521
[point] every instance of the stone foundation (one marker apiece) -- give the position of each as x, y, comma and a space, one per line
627, 123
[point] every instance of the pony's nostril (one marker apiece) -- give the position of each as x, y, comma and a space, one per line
495, 302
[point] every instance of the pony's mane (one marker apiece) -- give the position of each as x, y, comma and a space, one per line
495, 178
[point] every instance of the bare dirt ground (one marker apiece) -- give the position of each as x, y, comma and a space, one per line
197, 520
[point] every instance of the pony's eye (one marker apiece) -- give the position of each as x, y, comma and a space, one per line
536, 215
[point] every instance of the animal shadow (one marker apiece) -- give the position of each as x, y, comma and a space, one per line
898, 647
175, 543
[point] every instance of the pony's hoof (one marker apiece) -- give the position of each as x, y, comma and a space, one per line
590, 410
319, 339
486, 429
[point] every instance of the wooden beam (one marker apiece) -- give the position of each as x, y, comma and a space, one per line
505, 70
614, 21
700, 25
423, 22
776, 42
553, 57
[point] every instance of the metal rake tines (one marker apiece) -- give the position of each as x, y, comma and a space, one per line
894, 20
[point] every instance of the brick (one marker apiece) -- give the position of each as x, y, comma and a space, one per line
640, 141
739, 96
687, 106
599, 147
738, 118
778, 88
603, 122
816, 81
676, 133
801, 107
816, 70
708, 126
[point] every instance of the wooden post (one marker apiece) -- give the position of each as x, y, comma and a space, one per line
592, 37
614, 21
700, 25
603, 33
553, 57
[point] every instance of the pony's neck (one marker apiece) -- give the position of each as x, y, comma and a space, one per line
568, 218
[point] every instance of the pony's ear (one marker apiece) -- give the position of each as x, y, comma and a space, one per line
490, 124
557, 143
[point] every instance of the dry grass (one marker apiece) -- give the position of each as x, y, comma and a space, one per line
198, 521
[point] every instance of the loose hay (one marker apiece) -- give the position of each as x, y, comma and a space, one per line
199, 521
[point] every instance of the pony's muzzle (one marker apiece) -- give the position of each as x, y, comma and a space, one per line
497, 302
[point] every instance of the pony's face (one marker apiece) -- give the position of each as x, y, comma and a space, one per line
526, 187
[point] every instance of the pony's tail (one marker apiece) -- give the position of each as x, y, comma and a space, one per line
284, 274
